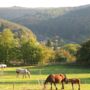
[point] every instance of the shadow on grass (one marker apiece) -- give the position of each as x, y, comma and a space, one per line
60, 70
24, 82
85, 80
51, 69
82, 80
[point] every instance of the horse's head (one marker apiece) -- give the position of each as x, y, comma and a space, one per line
28, 73
65, 79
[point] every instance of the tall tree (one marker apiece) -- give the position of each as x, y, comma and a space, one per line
83, 54
7, 42
71, 48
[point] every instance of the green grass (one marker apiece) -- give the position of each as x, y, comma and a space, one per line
8, 79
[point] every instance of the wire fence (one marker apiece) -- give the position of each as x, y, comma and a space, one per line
28, 86
24, 86
38, 84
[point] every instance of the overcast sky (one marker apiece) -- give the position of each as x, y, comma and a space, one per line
43, 3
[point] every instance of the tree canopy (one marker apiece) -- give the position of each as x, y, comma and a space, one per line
83, 54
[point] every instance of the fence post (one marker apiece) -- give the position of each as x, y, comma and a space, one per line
13, 85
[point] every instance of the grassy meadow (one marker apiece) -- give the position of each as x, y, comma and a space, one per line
9, 81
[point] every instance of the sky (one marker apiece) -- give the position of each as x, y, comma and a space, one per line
43, 3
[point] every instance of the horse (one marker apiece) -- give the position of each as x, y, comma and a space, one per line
24, 72
74, 81
54, 79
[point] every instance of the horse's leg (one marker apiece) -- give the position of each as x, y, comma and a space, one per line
79, 86
55, 86
72, 87
51, 86
28, 75
62, 85
17, 75
23, 76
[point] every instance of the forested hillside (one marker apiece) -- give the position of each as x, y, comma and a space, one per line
31, 15
70, 24
18, 45
73, 26
32, 18
16, 28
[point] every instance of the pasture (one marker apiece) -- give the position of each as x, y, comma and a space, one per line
9, 81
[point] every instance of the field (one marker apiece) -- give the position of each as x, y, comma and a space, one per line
9, 81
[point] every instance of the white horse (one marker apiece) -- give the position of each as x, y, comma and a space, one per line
24, 72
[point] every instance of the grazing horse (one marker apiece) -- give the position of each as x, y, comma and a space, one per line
74, 81
24, 72
54, 79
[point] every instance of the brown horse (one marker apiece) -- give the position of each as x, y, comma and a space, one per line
74, 81
54, 79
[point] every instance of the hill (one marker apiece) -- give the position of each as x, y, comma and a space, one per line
16, 28
32, 17
71, 24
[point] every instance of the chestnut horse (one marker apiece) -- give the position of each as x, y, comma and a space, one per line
54, 79
74, 81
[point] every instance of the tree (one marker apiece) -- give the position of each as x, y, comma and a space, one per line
1, 27
83, 54
63, 55
28, 47
23, 49
28, 53
71, 48
7, 42
49, 43
47, 55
